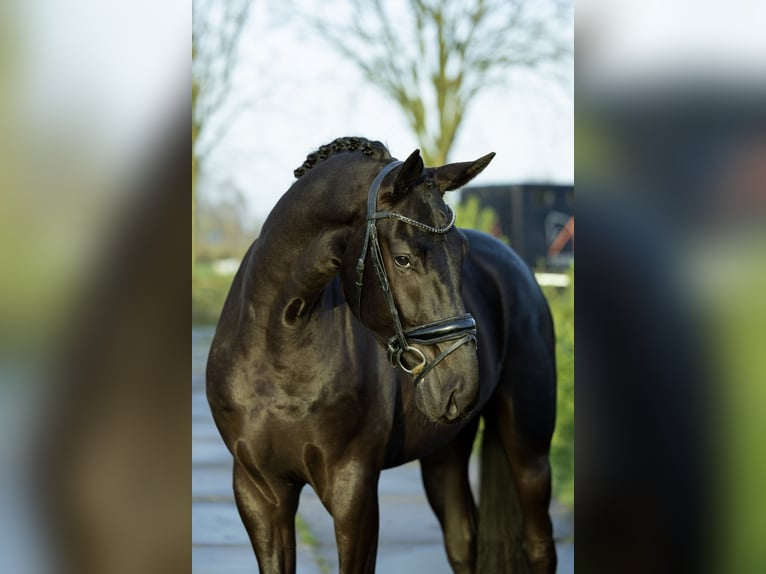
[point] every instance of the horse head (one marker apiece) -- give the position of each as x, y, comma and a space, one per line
402, 277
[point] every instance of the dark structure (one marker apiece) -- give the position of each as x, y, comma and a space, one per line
537, 218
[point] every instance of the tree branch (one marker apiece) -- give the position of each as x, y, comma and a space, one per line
215, 37
434, 66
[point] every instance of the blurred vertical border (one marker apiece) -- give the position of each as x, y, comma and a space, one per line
671, 183
94, 327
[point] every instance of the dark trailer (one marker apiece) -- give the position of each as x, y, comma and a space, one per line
538, 219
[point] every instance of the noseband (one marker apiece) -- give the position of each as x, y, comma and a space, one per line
461, 329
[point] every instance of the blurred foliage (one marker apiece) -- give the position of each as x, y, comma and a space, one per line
734, 304
561, 301
209, 290
224, 227
216, 29
471, 215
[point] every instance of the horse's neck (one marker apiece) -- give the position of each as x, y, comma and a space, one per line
309, 265
298, 253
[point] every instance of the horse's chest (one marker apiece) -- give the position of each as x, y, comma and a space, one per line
415, 437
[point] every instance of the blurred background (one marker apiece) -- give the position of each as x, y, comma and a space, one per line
669, 157
668, 125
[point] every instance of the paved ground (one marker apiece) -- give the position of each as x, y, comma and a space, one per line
410, 538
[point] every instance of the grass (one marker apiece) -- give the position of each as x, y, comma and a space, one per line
307, 537
561, 302
209, 291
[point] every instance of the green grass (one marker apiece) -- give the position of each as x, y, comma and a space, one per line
736, 317
307, 537
209, 291
561, 302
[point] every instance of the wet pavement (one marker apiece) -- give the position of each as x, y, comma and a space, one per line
410, 538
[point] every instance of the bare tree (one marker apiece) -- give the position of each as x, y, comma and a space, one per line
216, 29
433, 56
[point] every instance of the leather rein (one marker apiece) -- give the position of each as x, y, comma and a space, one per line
461, 328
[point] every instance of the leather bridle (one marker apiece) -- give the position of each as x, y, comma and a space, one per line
461, 328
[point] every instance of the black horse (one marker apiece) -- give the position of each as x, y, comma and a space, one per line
359, 269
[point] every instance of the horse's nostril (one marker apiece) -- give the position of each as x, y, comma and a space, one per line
452, 410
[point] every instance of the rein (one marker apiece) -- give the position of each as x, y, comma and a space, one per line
461, 329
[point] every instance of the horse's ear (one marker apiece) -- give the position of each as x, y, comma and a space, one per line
456, 175
409, 175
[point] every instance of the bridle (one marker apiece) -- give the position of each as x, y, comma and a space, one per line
461, 329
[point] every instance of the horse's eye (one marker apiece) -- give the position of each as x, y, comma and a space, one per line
402, 261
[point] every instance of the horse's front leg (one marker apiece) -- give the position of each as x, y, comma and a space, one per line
267, 506
353, 503
445, 477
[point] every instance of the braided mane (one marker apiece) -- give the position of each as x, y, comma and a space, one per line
338, 145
